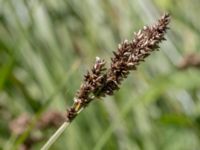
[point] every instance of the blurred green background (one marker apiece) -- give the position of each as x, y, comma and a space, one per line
47, 45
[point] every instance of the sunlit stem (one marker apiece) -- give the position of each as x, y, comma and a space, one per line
57, 134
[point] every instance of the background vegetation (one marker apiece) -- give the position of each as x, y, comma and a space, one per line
47, 45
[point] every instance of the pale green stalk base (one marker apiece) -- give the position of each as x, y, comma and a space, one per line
55, 136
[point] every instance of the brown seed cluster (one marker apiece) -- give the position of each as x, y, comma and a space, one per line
190, 60
19, 125
93, 81
101, 81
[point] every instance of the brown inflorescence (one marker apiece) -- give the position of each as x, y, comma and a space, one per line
19, 126
190, 60
101, 81
93, 81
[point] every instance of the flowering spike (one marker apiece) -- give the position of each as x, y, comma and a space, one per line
100, 81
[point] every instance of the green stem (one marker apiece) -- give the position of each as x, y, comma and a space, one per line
55, 136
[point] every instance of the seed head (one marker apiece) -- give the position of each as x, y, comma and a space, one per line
100, 81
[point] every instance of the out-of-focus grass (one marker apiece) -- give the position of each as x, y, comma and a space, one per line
46, 47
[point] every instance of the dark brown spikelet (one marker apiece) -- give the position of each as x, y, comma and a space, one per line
130, 54
101, 82
93, 81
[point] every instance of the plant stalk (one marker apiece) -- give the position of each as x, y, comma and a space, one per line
55, 136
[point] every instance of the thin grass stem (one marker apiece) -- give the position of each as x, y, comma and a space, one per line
55, 136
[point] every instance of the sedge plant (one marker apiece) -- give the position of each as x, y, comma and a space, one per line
101, 81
